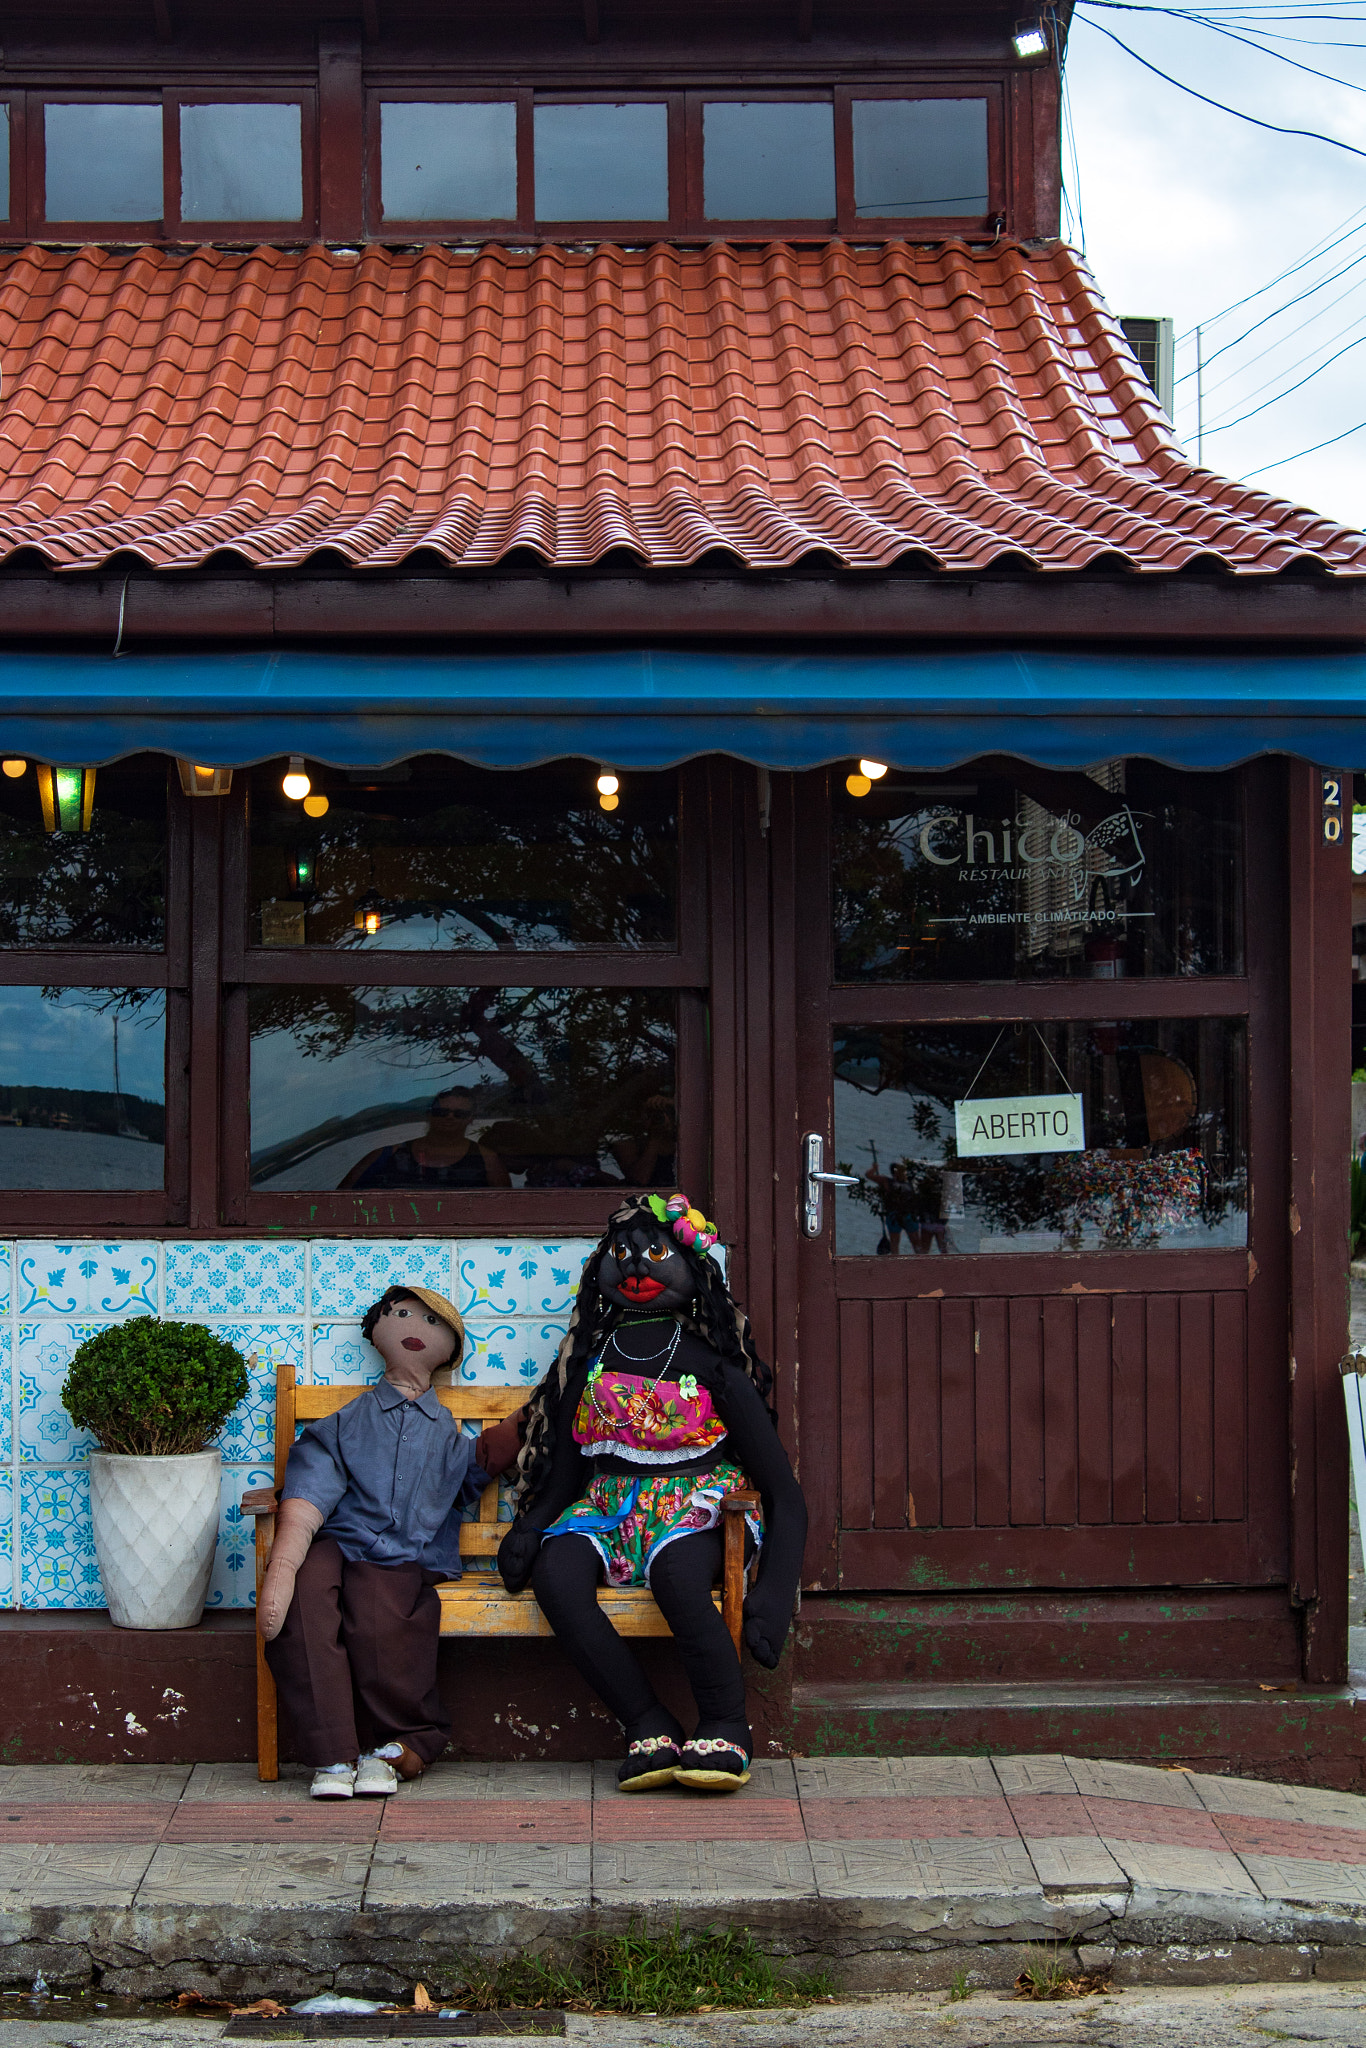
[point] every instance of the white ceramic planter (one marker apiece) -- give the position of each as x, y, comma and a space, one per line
156, 1522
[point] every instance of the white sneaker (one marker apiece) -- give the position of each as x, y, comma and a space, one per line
333, 1781
375, 1774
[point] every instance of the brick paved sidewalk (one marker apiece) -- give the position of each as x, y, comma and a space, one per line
828, 1828
893, 1871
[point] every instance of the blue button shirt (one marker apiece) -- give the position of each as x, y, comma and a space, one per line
394, 1479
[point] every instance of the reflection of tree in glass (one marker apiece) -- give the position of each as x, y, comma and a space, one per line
886, 896
573, 1068
510, 876
104, 887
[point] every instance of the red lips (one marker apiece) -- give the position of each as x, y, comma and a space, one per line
414, 1344
640, 1287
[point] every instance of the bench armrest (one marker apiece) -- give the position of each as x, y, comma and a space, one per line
260, 1500
743, 1501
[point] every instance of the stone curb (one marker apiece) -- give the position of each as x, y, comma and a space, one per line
873, 1944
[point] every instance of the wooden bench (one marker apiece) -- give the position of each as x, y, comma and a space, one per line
478, 1604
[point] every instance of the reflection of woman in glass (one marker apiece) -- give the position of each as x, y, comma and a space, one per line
648, 1159
444, 1157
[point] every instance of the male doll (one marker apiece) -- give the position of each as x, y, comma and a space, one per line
369, 1522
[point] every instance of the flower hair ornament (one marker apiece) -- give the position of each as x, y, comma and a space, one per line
688, 1225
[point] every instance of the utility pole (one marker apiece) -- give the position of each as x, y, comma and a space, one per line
1199, 397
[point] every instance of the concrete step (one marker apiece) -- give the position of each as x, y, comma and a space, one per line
1312, 1735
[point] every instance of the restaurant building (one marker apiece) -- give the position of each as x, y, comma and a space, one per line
592, 598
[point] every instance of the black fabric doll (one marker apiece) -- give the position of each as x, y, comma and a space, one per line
656, 1406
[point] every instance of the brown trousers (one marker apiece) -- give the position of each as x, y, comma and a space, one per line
356, 1659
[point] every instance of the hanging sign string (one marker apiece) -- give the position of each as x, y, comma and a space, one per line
992, 1052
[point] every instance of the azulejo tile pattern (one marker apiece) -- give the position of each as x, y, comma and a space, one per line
293, 1299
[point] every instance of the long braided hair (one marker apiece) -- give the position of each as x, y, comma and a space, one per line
715, 1316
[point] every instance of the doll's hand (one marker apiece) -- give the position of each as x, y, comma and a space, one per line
296, 1525
517, 1554
765, 1629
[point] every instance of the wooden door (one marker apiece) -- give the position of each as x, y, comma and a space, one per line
1104, 1407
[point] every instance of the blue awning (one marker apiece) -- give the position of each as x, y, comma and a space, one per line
649, 709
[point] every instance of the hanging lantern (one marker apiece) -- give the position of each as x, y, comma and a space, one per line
67, 796
197, 781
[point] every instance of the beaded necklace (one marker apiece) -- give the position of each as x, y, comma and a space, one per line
643, 1406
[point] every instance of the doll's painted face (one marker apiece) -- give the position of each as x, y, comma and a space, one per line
411, 1340
644, 1268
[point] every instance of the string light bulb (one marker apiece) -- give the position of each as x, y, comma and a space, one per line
608, 783
874, 770
316, 806
608, 802
15, 768
857, 785
296, 783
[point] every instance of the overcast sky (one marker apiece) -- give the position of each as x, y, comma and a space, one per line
1184, 210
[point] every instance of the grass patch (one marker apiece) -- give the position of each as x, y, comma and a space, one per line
959, 1988
659, 1974
1052, 1973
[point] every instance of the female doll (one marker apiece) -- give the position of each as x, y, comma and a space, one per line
656, 1407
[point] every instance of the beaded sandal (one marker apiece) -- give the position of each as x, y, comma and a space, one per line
651, 1761
710, 1764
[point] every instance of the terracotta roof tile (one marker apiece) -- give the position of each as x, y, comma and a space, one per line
958, 403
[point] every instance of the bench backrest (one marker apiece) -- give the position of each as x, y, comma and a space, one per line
295, 1404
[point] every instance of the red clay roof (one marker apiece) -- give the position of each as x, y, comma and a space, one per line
957, 404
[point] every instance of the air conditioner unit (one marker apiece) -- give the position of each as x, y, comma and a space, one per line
1154, 343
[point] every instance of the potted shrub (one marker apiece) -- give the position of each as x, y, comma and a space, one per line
152, 1394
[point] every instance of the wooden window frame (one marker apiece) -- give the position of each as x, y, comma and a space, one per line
918, 226
686, 220
828, 1005
302, 229
78, 1211
404, 230
30, 187
684, 968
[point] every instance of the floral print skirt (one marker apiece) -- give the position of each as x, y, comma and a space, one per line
629, 1520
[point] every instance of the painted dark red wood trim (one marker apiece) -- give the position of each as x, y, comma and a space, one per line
341, 134
961, 1275
1060, 996
205, 1039
1081, 1557
855, 609
295, 965
1320, 1146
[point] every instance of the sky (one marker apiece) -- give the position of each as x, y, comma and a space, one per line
1182, 210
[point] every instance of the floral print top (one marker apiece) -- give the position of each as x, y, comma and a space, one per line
647, 1422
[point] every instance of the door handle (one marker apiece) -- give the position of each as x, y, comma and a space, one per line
817, 1179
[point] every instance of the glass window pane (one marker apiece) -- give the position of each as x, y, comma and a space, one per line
82, 1088
102, 162
602, 163
920, 157
444, 161
762, 161
104, 886
241, 163
993, 873
1163, 1118
4, 162
450, 1089
433, 854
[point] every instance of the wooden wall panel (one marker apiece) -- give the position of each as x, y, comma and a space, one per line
1058, 1335
890, 1424
1028, 1413
924, 1437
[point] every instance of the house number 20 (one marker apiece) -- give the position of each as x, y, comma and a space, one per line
1332, 809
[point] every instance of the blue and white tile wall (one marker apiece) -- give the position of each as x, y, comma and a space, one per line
293, 1299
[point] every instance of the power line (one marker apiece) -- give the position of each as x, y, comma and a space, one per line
1325, 245
1300, 453
1219, 28
1273, 127
1287, 307
1229, 425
